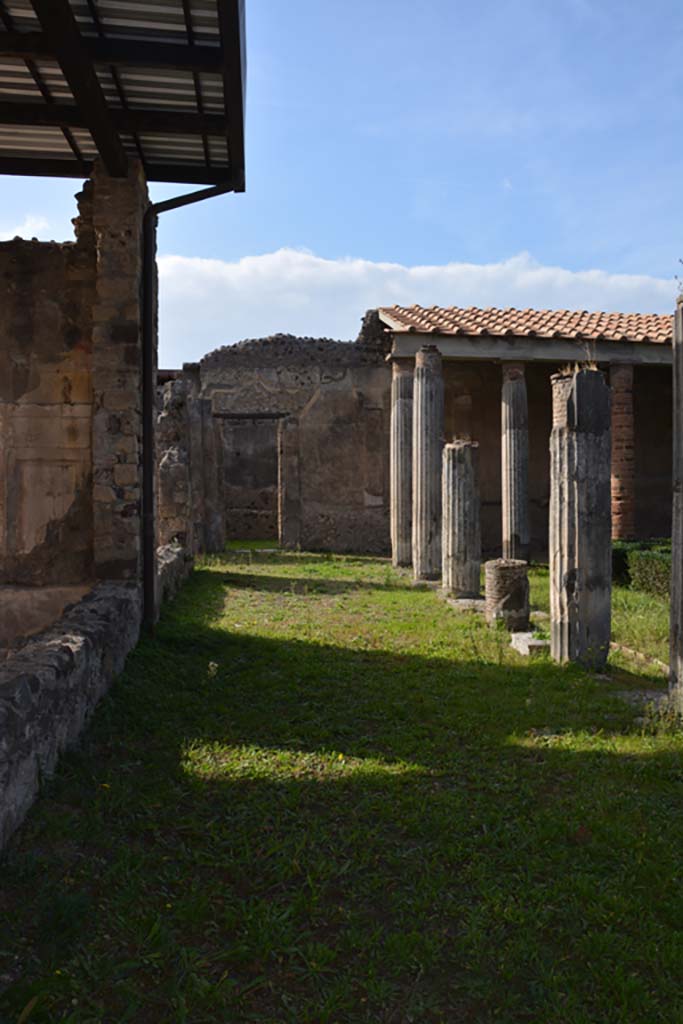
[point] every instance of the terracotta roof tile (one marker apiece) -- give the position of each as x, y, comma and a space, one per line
539, 323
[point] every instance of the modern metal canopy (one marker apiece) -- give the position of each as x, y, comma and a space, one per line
159, 80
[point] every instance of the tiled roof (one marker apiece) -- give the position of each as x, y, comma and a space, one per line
530, 323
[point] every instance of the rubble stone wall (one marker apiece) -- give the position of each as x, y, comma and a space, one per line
70, 415
46, 401
340, 394
50, 687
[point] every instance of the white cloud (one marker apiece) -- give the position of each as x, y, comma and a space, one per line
207, 302
30, 227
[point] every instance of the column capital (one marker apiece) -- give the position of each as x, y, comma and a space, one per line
513, 370
402, 367
429, 358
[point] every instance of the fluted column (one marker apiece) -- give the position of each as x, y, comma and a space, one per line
623, 452
427, 445
461, 538
580, 519
401, 443
515, 462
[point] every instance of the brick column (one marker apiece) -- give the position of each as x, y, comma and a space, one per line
623, 452
118, 206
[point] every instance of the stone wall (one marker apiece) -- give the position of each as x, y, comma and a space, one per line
175, 518
339, 394
70, 409
46, 519
50, 687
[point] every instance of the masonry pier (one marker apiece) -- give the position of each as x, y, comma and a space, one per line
580, 513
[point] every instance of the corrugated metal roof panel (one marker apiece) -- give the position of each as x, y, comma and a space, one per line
166, 85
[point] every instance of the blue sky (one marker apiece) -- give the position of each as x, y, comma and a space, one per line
451, 152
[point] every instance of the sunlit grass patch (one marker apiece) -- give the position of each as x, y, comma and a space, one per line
213, 760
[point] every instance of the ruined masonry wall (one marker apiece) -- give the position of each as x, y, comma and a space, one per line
340, 394
46, 524
49, 689
118, 207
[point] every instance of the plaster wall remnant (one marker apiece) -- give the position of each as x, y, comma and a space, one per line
461, 544
401, 459
428, 427
515, 462
580, 519
507, 593
69, 405
339, 395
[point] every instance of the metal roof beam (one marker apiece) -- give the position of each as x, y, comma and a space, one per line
59, 25
174, 56
168, 122
56, 168
231, 21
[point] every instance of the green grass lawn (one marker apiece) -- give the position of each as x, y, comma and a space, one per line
320, 795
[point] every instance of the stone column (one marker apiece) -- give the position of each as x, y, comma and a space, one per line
580, 519
461, 539
676, 625
515, 462
401, 458
623, 452
427, 444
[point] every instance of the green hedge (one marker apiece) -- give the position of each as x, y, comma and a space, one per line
624, 551
650, 571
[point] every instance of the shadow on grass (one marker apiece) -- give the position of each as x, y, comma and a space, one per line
275, 830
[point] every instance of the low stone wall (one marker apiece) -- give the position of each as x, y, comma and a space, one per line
49, 688
174, 565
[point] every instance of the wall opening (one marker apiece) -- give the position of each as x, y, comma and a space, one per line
250, 475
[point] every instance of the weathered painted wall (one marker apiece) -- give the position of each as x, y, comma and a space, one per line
46, 521
70, 409
250, 475
339, 393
